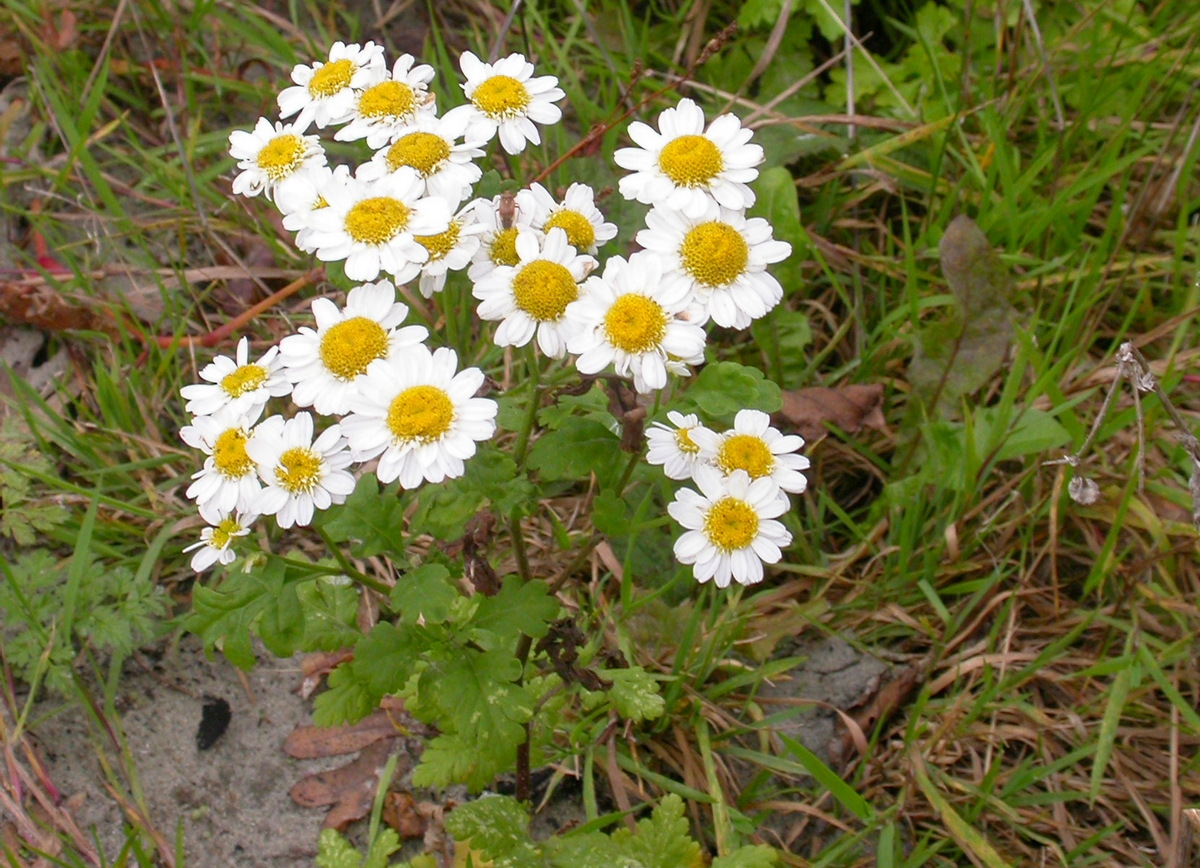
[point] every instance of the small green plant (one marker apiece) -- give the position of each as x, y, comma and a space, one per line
440, 469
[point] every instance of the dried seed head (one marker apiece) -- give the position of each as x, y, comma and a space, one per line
1083, 490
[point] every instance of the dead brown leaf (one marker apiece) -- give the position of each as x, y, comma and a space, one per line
310, 742
350, 789
410, 818
39, 305
849, 408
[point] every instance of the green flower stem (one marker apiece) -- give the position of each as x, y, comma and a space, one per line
519, 454
349, 568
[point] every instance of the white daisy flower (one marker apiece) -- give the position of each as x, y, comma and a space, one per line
215, 542
505, 97
684, 164
429, 145
327, 364
752, 446
451, 250
383, 109
300, 476
237, 383
532, 296
371, 225
673, 448
730, 529
722, 256
272, 156
420, 417
577, 215
325, 93
629, 319
306, 194
228, 480
501, 224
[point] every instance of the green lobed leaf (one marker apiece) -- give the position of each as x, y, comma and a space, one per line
723, 388
498, 828
334, 851
281, 624
383, 661
494, 474
425, 594
610, 513
634, 694
783, 335
518, 609
226, 615
474, 699
444, 510
752, 856
330, 610
372, 520
575, 451
662, 840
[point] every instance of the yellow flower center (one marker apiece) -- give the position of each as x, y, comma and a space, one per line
299, 470
243, 379
280, 156
388, 99
377, 219
423, 151
581, 234
503, 250
350, 346
543, 289
229, 454
684, 442
746, 452
635, 323
690, 161
224, 532
331, 78
501, 96
714, 253
731, 524
420, 413
441, 244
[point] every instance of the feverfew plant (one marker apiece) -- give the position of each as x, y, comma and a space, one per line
488, 351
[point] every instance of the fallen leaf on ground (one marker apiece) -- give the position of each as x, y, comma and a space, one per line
849, 408
349, 789
310, 742
410, 818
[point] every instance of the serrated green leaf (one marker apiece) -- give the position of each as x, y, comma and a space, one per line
330, 610
424, 594
662, 840
518, 609
494, 474
577, 450
226, 615
334, 851
592, 404
755, 856
586, 850
611, 513
497, 827
384, 845
723, 388
383, 661
371, 519
473, 698
634, 694
444, 510
783, 335
281, 625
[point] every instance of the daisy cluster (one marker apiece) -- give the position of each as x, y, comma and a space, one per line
744, 475
407, 214
397, 403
